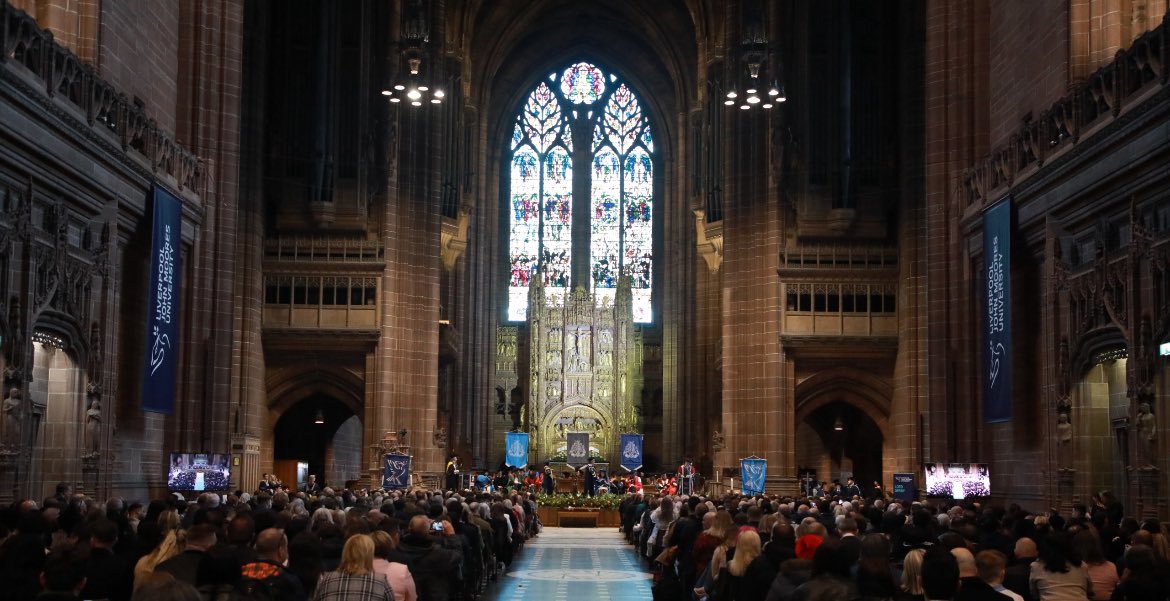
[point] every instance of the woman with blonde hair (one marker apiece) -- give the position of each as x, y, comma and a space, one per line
749, 575
911, 576
173, 541
710, 539
355, 577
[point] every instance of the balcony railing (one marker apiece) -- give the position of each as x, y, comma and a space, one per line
323, 249
64, 75
1103, 96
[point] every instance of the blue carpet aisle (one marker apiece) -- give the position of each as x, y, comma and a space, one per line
594, 564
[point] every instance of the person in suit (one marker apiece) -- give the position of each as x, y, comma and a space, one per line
851, 489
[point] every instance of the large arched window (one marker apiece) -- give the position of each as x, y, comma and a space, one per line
620, 183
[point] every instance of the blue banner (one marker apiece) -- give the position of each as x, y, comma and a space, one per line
752, 472
904, 487
631, 446
516, 449
395, 471
997, 353
577, 452
162, 319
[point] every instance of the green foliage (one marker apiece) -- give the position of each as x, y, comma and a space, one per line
561, 501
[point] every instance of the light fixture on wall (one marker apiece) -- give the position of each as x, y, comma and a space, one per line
320, 419
838, 424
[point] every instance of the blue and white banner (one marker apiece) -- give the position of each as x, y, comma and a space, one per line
162, 319
997, 354
631, 446
577, 453
516, 449
395, 471
904, 487
751, 473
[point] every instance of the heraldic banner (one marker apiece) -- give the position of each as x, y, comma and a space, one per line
631, 452
516, 449
395, 471
751, 472
578, 449
162, 318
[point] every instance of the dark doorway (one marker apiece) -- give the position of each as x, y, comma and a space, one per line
840, 440
299, 437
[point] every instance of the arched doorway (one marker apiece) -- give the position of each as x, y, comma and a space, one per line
323, 433
57, 419
1100, 419
838, 440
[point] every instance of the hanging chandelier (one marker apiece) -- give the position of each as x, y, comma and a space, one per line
414, 89
748, 88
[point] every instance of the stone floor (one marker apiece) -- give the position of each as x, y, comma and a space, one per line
590, 564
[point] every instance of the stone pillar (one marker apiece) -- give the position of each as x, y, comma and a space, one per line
246, 461
757, 411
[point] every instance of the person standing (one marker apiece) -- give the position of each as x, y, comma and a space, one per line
549, 483
590, 478
686, 478
452, 482
851, 488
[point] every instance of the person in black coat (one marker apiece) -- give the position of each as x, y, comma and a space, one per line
107, 576
434, 568
550, 482
452, 480
590, 478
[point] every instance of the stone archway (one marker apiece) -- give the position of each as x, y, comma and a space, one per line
857, 402
295, 396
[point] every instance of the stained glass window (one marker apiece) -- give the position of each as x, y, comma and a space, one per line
621, 188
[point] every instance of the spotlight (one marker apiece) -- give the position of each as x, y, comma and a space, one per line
745, 106
729, 102
386, 92
439, 94
838, 425
435, 101
415, 103
395, 99
414, 94
767, 105
751, 90
423, 88
399, 87
732, 94
320, 419
753, 99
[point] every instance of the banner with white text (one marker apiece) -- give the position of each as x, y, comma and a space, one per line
997, 352
162, 319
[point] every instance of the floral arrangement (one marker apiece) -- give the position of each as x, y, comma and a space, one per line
561, 501
563, 456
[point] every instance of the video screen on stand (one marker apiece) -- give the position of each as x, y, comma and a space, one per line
957, 480
199, 472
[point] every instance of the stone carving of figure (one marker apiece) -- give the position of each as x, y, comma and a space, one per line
93, 426
10, 434
716, 441
1064, 437
1147, 433
441, 437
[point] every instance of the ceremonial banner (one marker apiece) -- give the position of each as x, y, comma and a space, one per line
997, 353
162, 319
516, 449
631, 446
578, 451
904, 487
751, 473
395, 471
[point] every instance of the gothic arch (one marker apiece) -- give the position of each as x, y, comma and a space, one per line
1090, 345
858, 388
288, 387
65, 327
